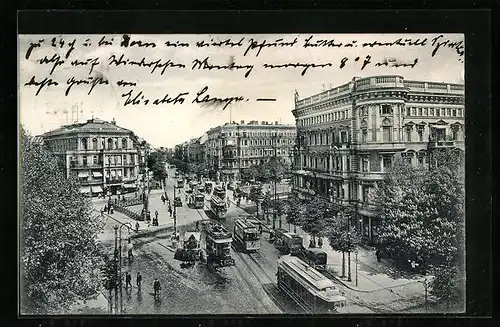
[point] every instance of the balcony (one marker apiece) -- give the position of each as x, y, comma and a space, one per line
92, 181
85, 166
396, 146
442, 144
117, 180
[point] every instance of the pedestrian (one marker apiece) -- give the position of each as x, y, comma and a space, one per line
156, 214
260, 229
377, 254
139, 280
137, 227
320, 242
197, 226
106, 208
163, 199
156, 287
311, 244
128, 280
170, 212
112, 210
109, 207
130, 247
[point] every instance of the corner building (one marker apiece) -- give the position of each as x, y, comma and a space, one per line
232, 147
348, 137
103, 156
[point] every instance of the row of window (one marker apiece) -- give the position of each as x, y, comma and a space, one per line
62, 145
333, 116
257, 133
434, 112
110, 160
107, 144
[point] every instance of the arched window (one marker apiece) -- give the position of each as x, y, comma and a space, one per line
84, 144
94, 143
110, 144
124, 143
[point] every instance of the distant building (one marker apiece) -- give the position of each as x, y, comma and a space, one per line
230, 148
103, 156
348, 136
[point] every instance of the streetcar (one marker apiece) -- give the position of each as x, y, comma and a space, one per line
308, 287
316, 258
218, 246
193, 185
201, 189
180, 183
219, 192
198, 201
208, 187
246, 235
218, 207
289, 243
190, 251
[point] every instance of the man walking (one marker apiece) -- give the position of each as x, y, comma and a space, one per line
157, 288
128, 280
139, 280
163, 199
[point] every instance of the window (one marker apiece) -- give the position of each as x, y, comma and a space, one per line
425, 112
343, 137
407, 158
124, 143
94, 160
94, 143
408, 111
420, 111
386, 134
84, 144
420, 160
420, 131
408, 134
448, 112
110, 144
386, 109
454, 131
454, 112
84, 161
364, 135
365, 164
413, 111
387, 161
366, 190
431, 111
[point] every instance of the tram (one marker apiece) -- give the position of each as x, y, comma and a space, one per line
246, 235
180, 183
208, 187
218, 207
287, 242
218, 246
308, 287
198, 201
219, 192
190, 251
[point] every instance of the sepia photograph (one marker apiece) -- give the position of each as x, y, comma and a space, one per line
252, 174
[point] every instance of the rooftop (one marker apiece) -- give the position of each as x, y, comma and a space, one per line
94, 125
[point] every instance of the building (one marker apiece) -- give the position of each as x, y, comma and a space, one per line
103, 156
348, 136
232, 147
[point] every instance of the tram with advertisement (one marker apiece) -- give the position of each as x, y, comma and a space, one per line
218, 246
198, 200
308, 287
219, 192
246, 235
218, 207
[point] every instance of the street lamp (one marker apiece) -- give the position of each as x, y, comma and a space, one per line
360, 221
129, 226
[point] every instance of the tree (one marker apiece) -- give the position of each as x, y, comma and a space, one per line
59, 252
314, 219
422, 219
156, 163
266, 203
254, 195
278, 210
294, 211
250, 173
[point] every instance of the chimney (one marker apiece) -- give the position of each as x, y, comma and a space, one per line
276, 122
263, 122
113, 122
242, 122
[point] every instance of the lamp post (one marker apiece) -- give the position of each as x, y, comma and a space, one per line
360, 221
129, 226
348, 252
175, 213
116, 267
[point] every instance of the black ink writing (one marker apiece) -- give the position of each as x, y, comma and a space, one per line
133, 100
393, 62
397, 42
124, 83
297, 65
176, 44
264, 44
32, 46
166, 99
90, 61
366, 61
227, 43
204, 64
321, 43
61, 45
215, 101
143, 63
42, 84
56, 60
103, 41
93, 82
127, 43
437, 44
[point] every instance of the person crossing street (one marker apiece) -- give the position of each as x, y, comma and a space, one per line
139, 280
157, 288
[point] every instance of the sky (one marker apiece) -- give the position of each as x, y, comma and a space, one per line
170, 124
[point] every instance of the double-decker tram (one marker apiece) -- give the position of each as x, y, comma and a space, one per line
219, 192
198, 201
246, 235
218, 207
218, 246
308, 287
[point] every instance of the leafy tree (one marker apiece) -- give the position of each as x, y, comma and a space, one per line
267, 202
250, 173
279, 210
59, 252
156, 163
422, 219
254, 195
294, 211
314, 219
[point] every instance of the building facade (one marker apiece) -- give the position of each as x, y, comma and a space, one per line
232, 147
348, 136
103, 156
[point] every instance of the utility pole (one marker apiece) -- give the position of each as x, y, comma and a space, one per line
348, 252
116, 268
175, 214
275, 178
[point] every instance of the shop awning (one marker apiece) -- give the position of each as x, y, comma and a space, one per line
96, 174
85, 189
96, 189
83, 174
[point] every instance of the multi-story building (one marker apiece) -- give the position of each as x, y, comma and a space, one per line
101, 154
232, 147
348, 136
